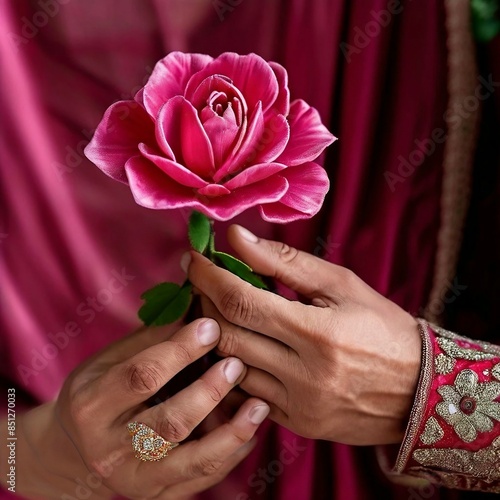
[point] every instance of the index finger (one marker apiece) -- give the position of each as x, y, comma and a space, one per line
206, 456
133, 381
135, 342
243, 304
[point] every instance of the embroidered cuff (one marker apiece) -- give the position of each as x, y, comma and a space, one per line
453, 436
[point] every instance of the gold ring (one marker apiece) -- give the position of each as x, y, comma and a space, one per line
148, 445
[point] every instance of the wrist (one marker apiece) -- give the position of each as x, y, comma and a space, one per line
46, 461
413, 365
402, 376
21, 470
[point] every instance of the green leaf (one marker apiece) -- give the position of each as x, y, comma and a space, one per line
485, 19
199, 231
165, 303
486, 30
241, 269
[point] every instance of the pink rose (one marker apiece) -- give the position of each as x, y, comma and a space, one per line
219, 136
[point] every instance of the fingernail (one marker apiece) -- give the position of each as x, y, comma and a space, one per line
259, 413
247, 235
185, 261
233, 368
208, 332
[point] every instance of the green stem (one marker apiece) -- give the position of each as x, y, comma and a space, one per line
209, 252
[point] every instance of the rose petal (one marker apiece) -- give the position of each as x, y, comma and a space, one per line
152, 188
222, 132
262, 143
273, 139
247, 151
168, 130
304, 198
227, 207
179, 127
216, 83
308, 187
254, 174
124, 125
308, 136
213, 190
139, 96
174, 170
169, 78
251, 74
280, 214
282, 103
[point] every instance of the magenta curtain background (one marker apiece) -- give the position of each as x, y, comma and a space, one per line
66, 229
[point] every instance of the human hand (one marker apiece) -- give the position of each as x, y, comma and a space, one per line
82, 441
343, 368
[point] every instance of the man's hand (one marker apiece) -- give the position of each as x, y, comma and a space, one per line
344, 368
82, 437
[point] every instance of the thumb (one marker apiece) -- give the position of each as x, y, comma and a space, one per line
300, 271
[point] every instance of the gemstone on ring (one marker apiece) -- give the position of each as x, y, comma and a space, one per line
148, 445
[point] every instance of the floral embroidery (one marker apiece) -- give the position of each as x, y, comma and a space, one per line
455, 351
485, 346
444, 364
432, 432
453, 480
495, 371
481, 464
469, 405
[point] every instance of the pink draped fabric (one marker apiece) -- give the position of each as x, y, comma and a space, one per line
77, 251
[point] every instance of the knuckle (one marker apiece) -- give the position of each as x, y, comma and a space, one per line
288, 258
213, 393
144, 377
173, 428
237, 306
348, 278
220, 475
206, 466
75, 383
287, 254
323, 330
80, 410
237, 436
228, 342
182, 354
240, 440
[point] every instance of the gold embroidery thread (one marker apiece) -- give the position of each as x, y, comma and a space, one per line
485, 346
482, 464
432, 432
468, 405
444, 364
495, 371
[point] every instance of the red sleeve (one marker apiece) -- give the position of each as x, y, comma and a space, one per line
453, 436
